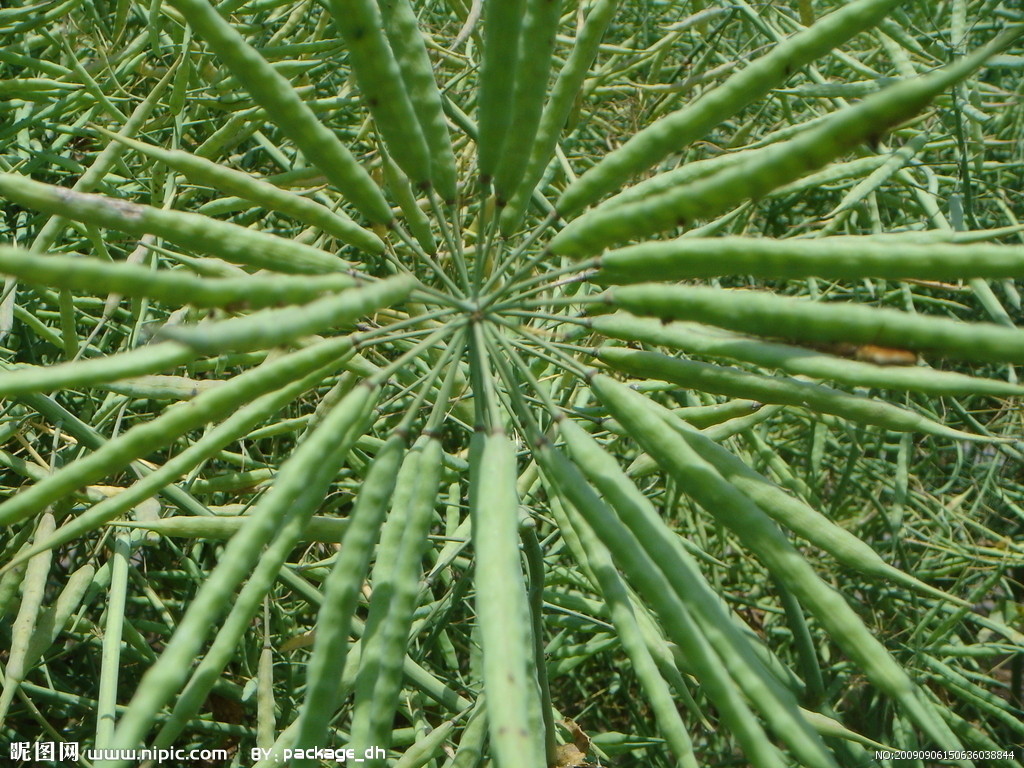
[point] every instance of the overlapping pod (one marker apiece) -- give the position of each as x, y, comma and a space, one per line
409, 47
503, 615
236, 244
762, 172
598, 564
503, 20
798, 361
287, 110
380, 80
396, 582
675, 615
674, 132
766, 314
833, 258
398, 183
424, 750
329, 530
272, 327
33, 590
341, 592
471, 743
298, 487
199, 170
46, 378
559, 106
532, 70
773, 389
637, 518
245, 606
147, 437
51, 621
760, 535
179, 287
791, 512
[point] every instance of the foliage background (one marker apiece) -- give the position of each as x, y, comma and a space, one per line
948, 512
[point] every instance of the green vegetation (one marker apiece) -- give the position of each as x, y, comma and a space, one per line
516, 383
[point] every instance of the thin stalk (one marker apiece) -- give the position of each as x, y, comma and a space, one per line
425, 258
517, 254
449, 241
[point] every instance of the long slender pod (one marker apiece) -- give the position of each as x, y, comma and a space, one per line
199, 170
676, 618
763, 172
759, 533
637, 518
501, 605
559, 105
177, 286
25, 379
675, 131
532, 70
232, 242
147, 437
272, 327
33, 591
237, 424
774, 389
303, 477
410, 50
341, 591
833, 258
595, 557
287, 109
396, 585
762, 313
503, 20
796, 515
402, 191
705, 340
380, 80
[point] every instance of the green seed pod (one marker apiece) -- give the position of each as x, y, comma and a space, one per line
811, 321
287, 109
502, 610
674, 132
329, 530
763, 172
730, 507
832, 258
272, 327
664, 547
774, 389
503, 20
410, 51
33, 590
46, 378
199, 170
676, 615
341, 592
532, 69
797, 361
236, 244
424, 750
149, 436
83, 273
396, 585
380, 80
794, 514
419, 224
559, 105
298, 488
52, 620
